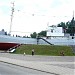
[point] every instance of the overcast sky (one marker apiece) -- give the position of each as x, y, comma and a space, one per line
34, 15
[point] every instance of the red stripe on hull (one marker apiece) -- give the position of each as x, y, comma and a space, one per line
6, 46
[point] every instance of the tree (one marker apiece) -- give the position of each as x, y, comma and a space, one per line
42, 33
71, 27
68, 27
33, 35
62, 24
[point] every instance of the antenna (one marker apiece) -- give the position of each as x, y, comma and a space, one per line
12, 11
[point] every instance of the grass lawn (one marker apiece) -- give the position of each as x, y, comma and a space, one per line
50, 50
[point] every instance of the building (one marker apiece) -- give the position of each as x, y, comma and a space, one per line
55, 32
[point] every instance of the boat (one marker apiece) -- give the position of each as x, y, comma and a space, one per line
9, 42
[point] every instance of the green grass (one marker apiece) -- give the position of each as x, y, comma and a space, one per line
44, 50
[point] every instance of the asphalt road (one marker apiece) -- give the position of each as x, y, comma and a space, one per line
39, 58
62, 59
8, 69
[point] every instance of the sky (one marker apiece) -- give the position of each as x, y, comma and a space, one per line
34, 15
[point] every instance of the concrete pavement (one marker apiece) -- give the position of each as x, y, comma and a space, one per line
44, 66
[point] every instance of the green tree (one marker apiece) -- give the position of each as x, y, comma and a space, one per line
33, 35
71, 27
42, 33
67, 27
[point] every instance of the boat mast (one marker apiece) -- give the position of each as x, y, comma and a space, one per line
12, 12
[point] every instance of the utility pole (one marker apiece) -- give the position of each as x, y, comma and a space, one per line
12, 12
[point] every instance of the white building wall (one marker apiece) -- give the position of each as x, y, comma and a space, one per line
55, 31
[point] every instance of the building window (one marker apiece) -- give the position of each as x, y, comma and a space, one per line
52, 30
